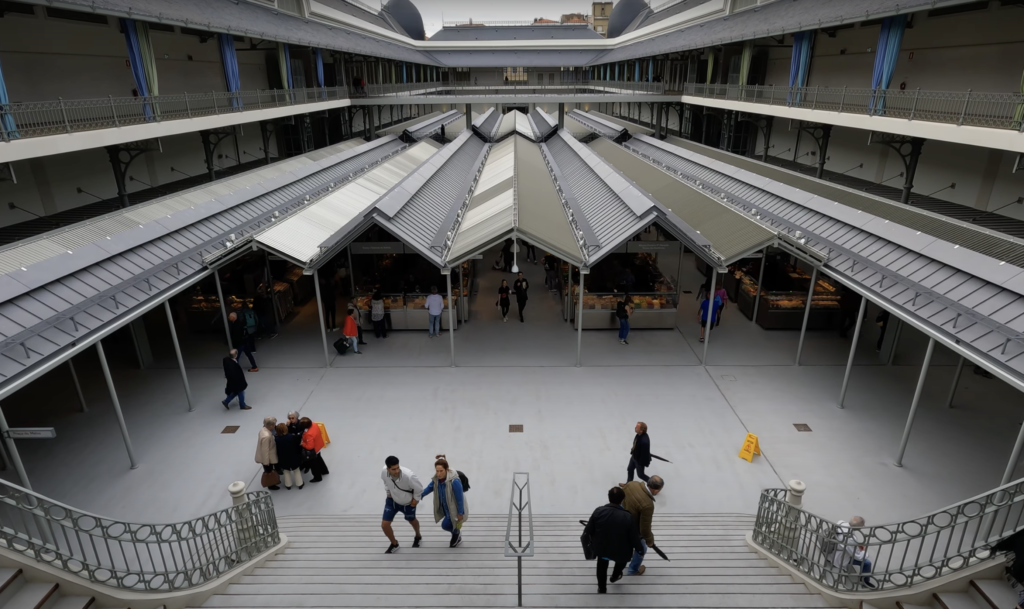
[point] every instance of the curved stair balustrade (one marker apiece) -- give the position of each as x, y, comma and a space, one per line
137, 557
902, 554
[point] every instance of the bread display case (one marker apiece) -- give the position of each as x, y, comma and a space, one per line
652, 310
784, 309
418, 318
404, 312
202, 311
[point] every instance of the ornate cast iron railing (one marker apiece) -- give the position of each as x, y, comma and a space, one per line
141, 557
902, 554
994, 110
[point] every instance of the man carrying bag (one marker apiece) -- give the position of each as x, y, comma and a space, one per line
611, 534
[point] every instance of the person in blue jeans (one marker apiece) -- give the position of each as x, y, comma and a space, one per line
236, 383
450, 508
623, 310
715, 309
434, 307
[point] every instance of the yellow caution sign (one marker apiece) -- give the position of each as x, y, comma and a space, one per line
750, 448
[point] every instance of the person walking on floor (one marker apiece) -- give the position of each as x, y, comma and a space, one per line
351, 329
640, 503
329, 301
503, 300
640, 454
704, 323
434, 307
289, 455
520, 287
241, 339
614, 536
312, 444
380, 326
266, 449
531, 252
450, 507
403, 488
236, 383
723, 297
353, 305
623, 311
506, 255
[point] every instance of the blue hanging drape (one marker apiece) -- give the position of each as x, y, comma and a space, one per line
288, 66
886, 55
6, 120
131, 40
318, 54
800, 63
230, 61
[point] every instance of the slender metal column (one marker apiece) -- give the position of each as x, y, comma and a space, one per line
12, 451
117, 405
711, 307
278, 318
1014, 457
579, 319
78, 386
956, 381
224, 307
760, 288
917, 400
135, 343
351, 271
320, 313
853, 349
451, 318
177, 352
895, 342
568, 290
807, 314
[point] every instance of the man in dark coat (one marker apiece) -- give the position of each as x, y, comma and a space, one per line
615, 535
506, 255
236, 381
640, 454
520, 287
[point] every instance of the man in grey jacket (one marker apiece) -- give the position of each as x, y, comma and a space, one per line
403, 488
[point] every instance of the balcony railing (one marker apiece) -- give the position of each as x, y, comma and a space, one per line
140, 557
994, 110
902, 554
37, 119
511, 88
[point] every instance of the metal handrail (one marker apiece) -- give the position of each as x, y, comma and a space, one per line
995, 110
903, 554
140, 557
520, 550
42, 118
512, 88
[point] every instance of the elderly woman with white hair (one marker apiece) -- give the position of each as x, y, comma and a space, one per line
266, 450
851, 553
293, 423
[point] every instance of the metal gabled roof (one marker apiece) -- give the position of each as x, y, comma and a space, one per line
40, 326
525, 32
984, 316
598, 125
543, 124
732, 233
302, 235
430, 126
422, 209
402, 126
491, 211
487, 123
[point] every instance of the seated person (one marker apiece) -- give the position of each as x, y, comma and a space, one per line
849, 556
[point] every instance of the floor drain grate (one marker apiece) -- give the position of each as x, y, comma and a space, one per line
728, 377
802, 426
231, 429
515, 429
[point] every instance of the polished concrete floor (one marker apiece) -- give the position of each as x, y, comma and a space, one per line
402, 397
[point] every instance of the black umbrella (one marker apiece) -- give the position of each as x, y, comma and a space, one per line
655, 548
660, 458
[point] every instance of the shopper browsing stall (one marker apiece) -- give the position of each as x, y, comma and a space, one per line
377, 313
434, 306
705, 314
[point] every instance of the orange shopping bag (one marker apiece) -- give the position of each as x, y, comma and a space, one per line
323, 433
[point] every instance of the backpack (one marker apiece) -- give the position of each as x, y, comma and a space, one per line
620, 310
464, 479
250, 321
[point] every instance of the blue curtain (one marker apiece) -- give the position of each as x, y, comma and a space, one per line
230, 61
886, 55
650, 70
288, 65
131, 39
6, 119
800, 64
319, 67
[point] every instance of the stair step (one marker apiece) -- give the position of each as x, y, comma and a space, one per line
11, 580
956, 600
73, 602
31, 596
997, 592
615, 598
902, 605
563, 576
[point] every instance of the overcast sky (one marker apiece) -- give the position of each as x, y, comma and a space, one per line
434, 12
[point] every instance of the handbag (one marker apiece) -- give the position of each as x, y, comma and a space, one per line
588, 546
270, 478
323, 433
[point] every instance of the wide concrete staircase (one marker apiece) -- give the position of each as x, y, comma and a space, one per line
17, 593
339, 561
981, 594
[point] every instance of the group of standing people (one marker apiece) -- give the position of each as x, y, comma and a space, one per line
288, 450
521, 289
404, 491
620, 531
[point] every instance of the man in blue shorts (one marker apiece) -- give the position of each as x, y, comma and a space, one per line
404, 489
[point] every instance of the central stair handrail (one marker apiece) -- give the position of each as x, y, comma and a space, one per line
903, 554
137, 557
516, 507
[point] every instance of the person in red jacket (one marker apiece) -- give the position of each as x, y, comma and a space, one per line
313, 442
351, 329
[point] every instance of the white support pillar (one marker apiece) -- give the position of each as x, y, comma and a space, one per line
117, 405
177, 353
853, 349
917, 400
579, 318
711, 315
956, 381
320, 314
12, 452
451, 318
78, 386
224, 306
807, 314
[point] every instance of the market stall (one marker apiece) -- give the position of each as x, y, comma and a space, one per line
785, 296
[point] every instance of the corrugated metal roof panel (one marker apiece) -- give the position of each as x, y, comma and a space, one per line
491, 211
